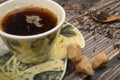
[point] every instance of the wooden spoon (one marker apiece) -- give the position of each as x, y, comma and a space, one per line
107, 18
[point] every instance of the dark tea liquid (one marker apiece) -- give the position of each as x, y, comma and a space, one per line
28, 21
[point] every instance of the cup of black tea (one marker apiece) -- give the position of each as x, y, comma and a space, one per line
30, 27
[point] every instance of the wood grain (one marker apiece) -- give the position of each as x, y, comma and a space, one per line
111, 72
95, 43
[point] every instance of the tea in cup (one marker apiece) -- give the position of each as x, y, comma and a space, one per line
30, 27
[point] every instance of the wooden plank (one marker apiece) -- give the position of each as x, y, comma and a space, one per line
97, 42
111, 72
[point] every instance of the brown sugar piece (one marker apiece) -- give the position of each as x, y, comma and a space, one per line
84, 66
100, 60
74, 52
81, 62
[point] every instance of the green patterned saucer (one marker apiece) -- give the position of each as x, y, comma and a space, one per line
53, 69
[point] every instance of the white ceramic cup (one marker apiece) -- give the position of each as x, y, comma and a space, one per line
35, 48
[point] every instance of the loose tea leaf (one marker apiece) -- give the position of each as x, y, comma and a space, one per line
109, 30
101, 16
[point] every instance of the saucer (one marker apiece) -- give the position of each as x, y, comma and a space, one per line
53, 69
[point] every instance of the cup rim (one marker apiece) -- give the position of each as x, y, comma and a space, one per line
37, 35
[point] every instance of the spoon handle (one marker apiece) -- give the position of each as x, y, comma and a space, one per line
118, 18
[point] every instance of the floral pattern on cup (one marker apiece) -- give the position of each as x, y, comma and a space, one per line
32, 51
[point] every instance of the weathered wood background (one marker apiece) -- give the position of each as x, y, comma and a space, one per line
96, 41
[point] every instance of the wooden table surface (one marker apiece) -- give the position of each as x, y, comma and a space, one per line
96, 39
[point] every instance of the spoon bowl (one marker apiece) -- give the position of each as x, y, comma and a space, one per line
104, 17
